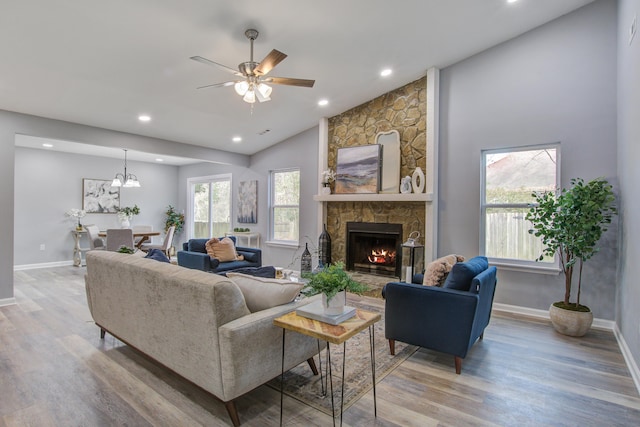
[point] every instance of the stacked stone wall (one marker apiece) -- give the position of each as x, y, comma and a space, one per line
404, 110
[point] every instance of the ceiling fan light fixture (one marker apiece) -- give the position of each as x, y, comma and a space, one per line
265, 90
241, 87
249, 97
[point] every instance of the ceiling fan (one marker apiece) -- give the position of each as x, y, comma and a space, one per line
252, 83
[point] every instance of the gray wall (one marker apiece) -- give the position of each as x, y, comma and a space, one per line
554, 83
299, 151
628, 315
49, 183
13, 123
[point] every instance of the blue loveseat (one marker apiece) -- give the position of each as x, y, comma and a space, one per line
194, 255
449, 319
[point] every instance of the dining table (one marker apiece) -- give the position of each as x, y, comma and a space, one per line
144, 236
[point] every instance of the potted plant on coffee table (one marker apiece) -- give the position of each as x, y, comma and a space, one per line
571, 225
332, 282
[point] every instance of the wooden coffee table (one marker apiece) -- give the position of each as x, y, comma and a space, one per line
335, 334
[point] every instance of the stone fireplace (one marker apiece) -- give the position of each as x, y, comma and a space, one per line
374, 248
404, 110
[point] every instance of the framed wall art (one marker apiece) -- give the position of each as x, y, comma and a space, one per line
248, 202
358, 169
99, 197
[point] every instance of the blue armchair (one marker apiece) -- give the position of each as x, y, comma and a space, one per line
194, 255
449, 319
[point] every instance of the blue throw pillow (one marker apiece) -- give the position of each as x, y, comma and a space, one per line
463, 273
197, 245
267, 272
158, 255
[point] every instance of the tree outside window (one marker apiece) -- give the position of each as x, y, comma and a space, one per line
509, 177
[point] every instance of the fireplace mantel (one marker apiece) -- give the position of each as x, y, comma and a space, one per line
373, 197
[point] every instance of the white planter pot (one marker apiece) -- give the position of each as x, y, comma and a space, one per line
335, 305
569, 322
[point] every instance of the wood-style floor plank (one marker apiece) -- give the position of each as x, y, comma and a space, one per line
55, 371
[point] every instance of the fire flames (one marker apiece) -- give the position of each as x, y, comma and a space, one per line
382, 256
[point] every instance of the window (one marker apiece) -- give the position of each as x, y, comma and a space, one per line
284, 201
509, 177
209, 212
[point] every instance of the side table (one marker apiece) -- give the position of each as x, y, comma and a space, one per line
334, 334
77, 250
249, 235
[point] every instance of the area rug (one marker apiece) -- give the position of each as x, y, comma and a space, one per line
302, 385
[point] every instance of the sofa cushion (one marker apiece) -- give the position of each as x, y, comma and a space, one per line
222, 249
158, 255
197, 245
268, 271
261, 293
462, 273
437, 271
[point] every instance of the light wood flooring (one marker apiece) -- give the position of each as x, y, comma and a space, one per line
55, 371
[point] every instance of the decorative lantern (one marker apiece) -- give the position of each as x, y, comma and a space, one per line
305, 260
410, 263
324, 247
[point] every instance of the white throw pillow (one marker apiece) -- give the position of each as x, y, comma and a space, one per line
261, 293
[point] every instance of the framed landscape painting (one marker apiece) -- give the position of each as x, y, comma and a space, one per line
358, 169
248, 202
99, 197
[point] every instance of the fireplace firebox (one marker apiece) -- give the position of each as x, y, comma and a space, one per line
374, 248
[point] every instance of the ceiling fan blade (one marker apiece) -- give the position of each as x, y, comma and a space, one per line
289, 81
225, 84
271, 60
206, 61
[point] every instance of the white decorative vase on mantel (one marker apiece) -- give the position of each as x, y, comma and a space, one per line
335, 305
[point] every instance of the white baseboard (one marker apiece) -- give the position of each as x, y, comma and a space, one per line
628, 357
42, 265
7, 301
609, 325
597, 324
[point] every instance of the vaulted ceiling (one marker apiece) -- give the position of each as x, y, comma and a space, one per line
104, 63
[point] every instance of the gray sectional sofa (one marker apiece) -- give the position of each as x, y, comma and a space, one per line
194, 323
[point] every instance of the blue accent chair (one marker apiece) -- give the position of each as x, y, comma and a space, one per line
444, 319
194, 255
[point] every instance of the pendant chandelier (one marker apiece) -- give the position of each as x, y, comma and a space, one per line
125, 180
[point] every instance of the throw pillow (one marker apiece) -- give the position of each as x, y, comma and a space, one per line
261, 293
437, 271
463, 273
158, 255
224, 250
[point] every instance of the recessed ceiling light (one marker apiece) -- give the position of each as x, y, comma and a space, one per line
386, 72
144, 118
236, 139
511, 1
47, 145
323, 102
159, 160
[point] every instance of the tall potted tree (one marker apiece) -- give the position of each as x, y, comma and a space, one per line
570, 225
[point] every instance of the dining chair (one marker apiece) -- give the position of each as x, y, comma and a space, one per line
166, 244
117, 237
95, 241
140, 229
